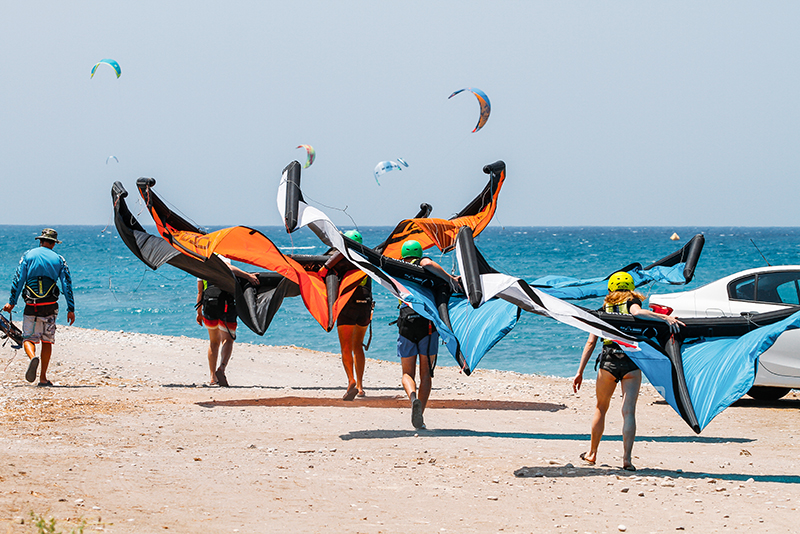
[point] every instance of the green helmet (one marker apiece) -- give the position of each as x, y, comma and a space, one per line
621, 281
355, 235
411, 249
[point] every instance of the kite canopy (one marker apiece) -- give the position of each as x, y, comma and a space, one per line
310, 155
483, 100
385, 166
709, 364
442, 232
113, 64
675, 269
109, 158
255, 305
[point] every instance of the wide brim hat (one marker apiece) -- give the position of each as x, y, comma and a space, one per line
49, 234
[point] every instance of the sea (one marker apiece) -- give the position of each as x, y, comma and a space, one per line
114, 291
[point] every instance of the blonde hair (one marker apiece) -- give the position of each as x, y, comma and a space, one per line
624, 295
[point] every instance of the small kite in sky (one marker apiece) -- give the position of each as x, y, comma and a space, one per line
385, 166
113, 64
310, 155
486, 106
109, 158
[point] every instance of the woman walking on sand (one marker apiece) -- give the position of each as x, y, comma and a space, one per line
616, 366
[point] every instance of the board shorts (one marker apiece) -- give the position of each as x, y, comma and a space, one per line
221, 324
36, 329
428, 346
358, 314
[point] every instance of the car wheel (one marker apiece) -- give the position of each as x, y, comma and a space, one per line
766, 393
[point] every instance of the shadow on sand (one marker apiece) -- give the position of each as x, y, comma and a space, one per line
554, 471
460, 432
386, 402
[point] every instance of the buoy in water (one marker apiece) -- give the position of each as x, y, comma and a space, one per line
675, 237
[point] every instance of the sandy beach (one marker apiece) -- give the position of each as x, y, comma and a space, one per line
129, 440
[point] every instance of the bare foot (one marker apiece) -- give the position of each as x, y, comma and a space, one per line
585, 456
361, 393
628, 467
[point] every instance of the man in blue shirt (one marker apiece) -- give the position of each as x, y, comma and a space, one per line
35, 279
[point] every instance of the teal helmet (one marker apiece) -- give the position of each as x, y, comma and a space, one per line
355, 235
411, 249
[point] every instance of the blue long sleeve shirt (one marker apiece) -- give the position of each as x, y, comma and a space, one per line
42, 261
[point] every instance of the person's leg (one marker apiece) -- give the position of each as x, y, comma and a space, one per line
359, 358
345, 332
47, 350
225, 351
425, 382
213, 352
30, 349
409, 376
606, 384
631, 383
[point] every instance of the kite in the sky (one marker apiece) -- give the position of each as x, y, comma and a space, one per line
310, 155
486, 106
113, 64
109, 158
385, 166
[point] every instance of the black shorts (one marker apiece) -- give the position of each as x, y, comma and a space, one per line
617, 366
355, 314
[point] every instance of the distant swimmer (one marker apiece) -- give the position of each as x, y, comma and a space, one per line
35, 279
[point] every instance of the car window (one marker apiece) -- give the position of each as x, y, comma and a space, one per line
778, 288
744, 289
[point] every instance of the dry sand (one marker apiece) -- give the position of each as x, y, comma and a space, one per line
130, 441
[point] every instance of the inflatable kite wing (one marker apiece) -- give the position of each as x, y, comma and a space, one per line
323, 298
708, 365
255, 305
676, 268
483, 100
442, 232
467, 333
110, 62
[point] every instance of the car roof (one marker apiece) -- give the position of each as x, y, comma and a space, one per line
725, 280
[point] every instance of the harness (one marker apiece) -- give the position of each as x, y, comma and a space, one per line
40, 291
611, 349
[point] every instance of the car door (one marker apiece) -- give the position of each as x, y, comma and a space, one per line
764, 292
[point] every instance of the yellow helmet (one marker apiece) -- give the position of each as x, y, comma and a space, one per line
621, 281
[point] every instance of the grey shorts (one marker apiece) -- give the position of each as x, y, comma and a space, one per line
36, 329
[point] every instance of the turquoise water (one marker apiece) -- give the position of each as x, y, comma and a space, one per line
115, 291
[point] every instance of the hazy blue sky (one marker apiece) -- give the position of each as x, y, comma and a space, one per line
606, 113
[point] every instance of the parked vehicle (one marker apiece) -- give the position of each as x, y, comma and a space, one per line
761, 290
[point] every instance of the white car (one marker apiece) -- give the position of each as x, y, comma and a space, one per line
759, 290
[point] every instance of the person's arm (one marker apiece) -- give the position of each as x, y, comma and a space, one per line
19, 275
66, 286
427, 262
674, 323
250, 277
587, 353
199, 305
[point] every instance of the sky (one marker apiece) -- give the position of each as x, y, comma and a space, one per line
606, 113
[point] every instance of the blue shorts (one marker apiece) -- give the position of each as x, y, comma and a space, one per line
428, 346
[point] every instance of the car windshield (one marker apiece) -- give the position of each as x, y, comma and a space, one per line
774, 288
